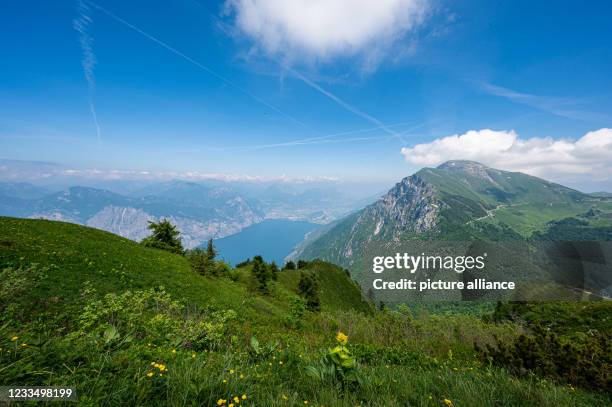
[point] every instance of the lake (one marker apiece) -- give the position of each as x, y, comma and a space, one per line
273, 239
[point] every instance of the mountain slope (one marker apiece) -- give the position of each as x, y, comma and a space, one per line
78, 256
459, 200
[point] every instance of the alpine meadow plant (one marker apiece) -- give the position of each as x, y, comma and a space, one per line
338, 365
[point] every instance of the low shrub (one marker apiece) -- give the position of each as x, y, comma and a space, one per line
584, 363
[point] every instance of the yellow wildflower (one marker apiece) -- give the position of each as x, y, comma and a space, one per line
173, 350
220, 402
285, 397
241, 376
305, 401
231, 371
280, 362
149, 374
236, 399
230, 405
341, 338
14, 338
448, 402
244, 397
193, 355
23, 345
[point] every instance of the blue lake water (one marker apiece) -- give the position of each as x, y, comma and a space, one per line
273, 239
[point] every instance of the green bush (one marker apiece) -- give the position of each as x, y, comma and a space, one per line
297, 310
585, 363
200, 262
154, 316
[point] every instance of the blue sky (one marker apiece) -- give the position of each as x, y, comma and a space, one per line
250, 87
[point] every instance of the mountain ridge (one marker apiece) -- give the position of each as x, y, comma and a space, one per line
460, 200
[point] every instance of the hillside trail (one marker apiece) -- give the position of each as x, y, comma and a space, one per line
490, 213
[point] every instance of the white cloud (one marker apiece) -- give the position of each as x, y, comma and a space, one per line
322, 29
589, 158
15, 170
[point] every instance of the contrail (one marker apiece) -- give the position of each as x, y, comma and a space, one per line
347, 105
194, 62
325, 138
89, 58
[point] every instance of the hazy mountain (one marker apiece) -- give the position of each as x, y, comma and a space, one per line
460, 200
201, 210
200, 213
22, 190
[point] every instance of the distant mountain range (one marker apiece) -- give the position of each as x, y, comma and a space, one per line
201, 210
467, 201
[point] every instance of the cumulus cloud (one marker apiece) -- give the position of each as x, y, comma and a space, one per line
587, 158
323, 29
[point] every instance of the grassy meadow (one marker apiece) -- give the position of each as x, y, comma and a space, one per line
130, 325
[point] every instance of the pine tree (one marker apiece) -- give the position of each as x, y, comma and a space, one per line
308, 288
289, 265
274, 271
261, 274
211, 252
164, 236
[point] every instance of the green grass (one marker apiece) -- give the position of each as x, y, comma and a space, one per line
110, 263
91, 315
526, 219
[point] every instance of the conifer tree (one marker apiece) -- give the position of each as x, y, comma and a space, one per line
261, 274
164, 236
308, 288
274, 271
211, 252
